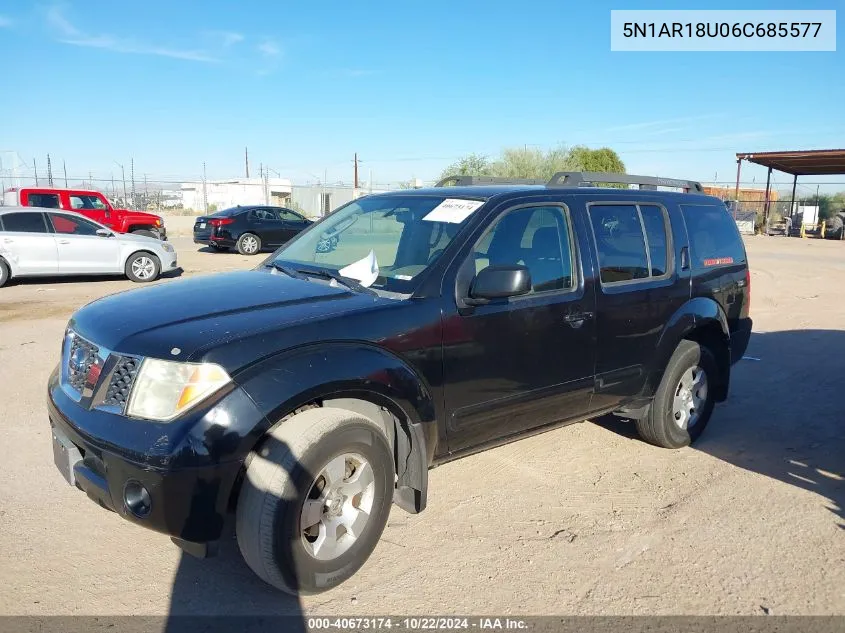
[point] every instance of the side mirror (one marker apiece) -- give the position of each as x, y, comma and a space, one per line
499, 282
104, 233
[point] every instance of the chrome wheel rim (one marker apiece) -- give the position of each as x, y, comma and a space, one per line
338, 506
143, 268
250, 244
690, 397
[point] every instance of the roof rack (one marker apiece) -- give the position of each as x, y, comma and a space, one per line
586, 178
469, 181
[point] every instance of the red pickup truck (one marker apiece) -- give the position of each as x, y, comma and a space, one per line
91, 204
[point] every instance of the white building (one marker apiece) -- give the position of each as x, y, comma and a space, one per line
318, 200
222, 194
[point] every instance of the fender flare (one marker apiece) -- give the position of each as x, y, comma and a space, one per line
697, 313
385, 386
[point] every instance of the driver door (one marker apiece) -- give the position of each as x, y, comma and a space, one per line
80, 249
521, 362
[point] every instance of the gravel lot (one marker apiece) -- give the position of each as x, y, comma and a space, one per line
581, 520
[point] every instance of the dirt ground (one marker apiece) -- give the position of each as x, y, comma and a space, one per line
585, 519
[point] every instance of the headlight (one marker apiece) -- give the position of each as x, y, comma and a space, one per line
167, 248
163, 389
158, 221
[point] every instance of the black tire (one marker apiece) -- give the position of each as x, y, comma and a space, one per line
837, 225
249, 244
146, 232
142, 271
5, 274
281, 476
659, 426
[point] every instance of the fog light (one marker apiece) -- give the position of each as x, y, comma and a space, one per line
137, 499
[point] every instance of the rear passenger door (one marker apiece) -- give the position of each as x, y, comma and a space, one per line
638, 248
27, 243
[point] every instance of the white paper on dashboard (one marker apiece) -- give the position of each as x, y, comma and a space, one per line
364, 270
452, 210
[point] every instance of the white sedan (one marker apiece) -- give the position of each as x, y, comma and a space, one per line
43, 242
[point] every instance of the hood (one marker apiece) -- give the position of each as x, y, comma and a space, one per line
135, 239
151, 217
202, 312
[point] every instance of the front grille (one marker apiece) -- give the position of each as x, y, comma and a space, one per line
82, 355
121, 382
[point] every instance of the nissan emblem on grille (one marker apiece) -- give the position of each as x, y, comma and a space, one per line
83, 368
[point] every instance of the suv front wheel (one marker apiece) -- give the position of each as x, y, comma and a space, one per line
315, 499
684, 400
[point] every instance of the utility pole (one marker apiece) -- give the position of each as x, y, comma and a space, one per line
356, 171
113, 191
204, 192
146, 193
49, 172
246, 160
35, 169
132, 177
64, 169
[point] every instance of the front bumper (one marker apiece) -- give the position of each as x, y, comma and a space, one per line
190, 481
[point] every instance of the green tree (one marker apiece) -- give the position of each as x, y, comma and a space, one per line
524, 162
471, 165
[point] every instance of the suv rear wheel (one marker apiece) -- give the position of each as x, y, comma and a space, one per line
315, 499
684, 400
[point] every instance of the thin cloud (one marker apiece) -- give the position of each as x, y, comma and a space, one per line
227, 39
269, 48
67, 33
662, 122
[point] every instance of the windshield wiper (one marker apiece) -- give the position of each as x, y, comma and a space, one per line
350, 283
290, 272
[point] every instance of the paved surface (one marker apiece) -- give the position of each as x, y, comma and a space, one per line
581, 520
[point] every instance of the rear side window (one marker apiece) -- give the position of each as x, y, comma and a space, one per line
631, 240
25, 222
44, 200
713, 235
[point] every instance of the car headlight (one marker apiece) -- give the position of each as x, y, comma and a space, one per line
158, 221
167, 248
163, 389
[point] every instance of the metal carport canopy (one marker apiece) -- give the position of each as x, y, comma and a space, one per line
814, 162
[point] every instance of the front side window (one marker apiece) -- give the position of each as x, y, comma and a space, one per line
25, 222
43, 200
289, 216
87, 202
403, 235
631, 241
535, 237
68, 225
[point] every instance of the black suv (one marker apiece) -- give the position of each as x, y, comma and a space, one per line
249, 229
308, 395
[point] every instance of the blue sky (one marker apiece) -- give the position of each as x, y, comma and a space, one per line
409, 86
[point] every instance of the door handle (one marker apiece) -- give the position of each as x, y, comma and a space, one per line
8, 240
685, 258
577, 319
64, 241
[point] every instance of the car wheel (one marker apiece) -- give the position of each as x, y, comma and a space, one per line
684, 400
249, 244
146, 232
4, 273
315, 499
142, 267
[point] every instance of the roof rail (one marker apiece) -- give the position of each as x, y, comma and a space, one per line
586, 178
468, 181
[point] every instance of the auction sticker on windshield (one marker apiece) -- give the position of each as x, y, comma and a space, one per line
453, 210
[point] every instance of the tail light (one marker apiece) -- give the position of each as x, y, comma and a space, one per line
748, 290
215, 222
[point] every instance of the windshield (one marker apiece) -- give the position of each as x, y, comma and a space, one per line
382, 241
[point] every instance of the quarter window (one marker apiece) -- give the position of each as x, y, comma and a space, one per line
631, 240
535, 237
713, 235
25, 222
